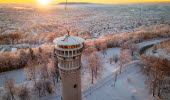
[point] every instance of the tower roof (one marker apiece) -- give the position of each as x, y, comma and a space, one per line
68, 40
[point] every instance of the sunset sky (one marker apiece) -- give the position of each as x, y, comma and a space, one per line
93, 1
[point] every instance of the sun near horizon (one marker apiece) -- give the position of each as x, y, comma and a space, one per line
43, 2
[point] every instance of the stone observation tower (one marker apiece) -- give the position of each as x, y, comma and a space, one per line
68, 50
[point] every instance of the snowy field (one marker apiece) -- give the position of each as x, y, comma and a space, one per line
159, 52
130, 84
95, 18
108, 68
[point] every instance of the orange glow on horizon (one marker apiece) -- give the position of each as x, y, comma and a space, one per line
44, 2
90, 1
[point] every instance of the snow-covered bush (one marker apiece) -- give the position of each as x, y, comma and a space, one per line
125, 58
9, 38
10, 89
23, 92
94, 64
157, 70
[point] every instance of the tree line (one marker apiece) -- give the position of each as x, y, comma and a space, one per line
10, 38
157, 70
42, 71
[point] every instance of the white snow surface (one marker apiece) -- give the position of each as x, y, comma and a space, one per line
130, 84
13, 49
107, 68
18, 75
68, 40
142, 44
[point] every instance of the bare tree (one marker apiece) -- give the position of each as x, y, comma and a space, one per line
39, 87
44, 86
15, 36
114, 58
22, 58
40, 50
131, 46
48, 87
110, 60
43, 67
24, 92
103, 48
10, 88
89, 50
97, 44
31, 72
124, 58
157, 69
53, 70
31, 54
94, 65
56, 68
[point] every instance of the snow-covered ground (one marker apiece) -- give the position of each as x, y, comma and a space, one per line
14, 48
149, 51
18, 75
130, 84
107, 68
159, 52
96, 18
142, 44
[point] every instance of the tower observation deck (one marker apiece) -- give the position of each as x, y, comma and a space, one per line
68, 50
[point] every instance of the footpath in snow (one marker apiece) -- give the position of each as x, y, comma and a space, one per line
130, 84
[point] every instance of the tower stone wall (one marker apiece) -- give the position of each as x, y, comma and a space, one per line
68, 50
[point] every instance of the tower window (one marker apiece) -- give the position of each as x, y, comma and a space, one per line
75, 85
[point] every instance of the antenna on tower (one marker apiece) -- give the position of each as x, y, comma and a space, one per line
67, 28
66, 5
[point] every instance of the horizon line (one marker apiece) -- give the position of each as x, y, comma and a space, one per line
98, 2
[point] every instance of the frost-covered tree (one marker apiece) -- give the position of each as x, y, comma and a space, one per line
94, 65
43, 87
53, 70
31, 72
40, 50
10, 88
31, 54
24, 92
89, 50
114, 59
22, 58
103, 47
156, 69
124, 58
131, 46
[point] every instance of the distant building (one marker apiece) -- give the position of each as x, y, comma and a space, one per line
68, 50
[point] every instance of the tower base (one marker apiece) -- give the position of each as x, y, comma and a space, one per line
71, 85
